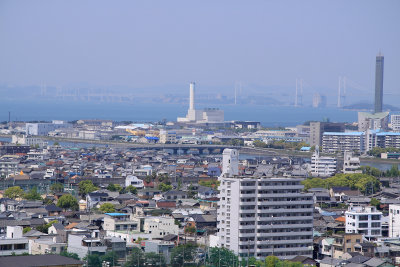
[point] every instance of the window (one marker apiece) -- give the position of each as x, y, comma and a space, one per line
5, 247
376, 217
363, 218
19, 246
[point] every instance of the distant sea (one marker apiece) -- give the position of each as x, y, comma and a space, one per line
269, 116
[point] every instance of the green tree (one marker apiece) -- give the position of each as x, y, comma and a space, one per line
114, 187
33, 194
14, 192
67, 202
375, 202
26, 229
69, 255
271, 261
182, 254
154, 259
223, 255
93, 260
86, 186
136, 259
44, 228
164, 187
190, 230
107, 208
110, 257
213, 183
57, 188
367, 184
131, 189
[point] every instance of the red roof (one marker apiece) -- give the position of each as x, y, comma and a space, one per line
166, 204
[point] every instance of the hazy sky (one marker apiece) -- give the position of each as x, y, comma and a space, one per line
153, 43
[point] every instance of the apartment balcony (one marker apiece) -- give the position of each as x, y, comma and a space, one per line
248, 203
272, 195
296, 241
302, 233
247, 195
247, 234
247, 219
278, 187
247, 227
269, 211
283, 226
281, 203
284, 218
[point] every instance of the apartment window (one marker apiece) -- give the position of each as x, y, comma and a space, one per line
376, 224
363, 218
376, 217
363, 225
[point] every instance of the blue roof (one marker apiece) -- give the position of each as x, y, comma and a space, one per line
305, 148
116, 214
387, 133
344, 134
151, 138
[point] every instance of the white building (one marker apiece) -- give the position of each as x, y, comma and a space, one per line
28, 140
364, 220
159, 227
395, 122
351, 164
167, 137
121, 222
13, 242
394, 220
133, 180
260, 216
46, 245
44, 128
81, 244
322, 166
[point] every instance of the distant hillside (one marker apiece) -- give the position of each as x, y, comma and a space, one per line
367, 106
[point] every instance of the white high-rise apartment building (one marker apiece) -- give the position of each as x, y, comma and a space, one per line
394, 220
364, 220
322, 166
261, 216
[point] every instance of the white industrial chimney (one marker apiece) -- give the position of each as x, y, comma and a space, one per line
191, 103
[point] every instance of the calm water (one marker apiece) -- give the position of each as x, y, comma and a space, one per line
268, 116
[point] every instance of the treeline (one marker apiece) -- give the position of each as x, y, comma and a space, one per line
376, 151
392, 172
366, 184
189, 255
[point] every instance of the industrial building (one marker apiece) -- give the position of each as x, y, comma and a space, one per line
208, 115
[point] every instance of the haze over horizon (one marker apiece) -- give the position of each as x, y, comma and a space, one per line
163, 45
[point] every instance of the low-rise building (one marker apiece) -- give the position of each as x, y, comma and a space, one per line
322, 166
159, 227
121, 222
351, 164
364, 220
13, 243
